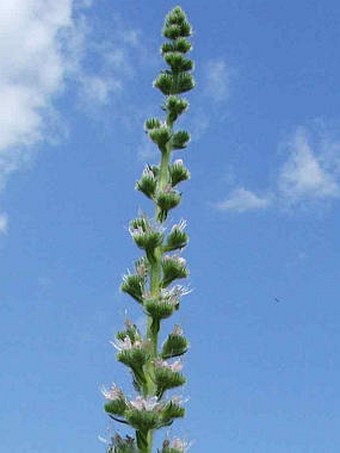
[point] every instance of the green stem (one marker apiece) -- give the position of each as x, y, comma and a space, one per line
155, 281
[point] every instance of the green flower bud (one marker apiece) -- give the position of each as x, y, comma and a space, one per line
116, 404
152, 123
180, 139
160, 136
167, 200
133, 285
177, 238
181, 45
178, 172
175, 106
174, 267
167, 376
174, 84
177, 30
178, 62
159, 310
144, 235
175, 345
143, 413
132, 353
147, 183
171, 410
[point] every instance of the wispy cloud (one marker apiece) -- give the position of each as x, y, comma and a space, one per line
3, 223
217, 80
305, 175
309, 175
242, 200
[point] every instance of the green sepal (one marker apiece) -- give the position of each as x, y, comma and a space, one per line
147, 183
116, 407
176, 239
167, 379
173, 269
134, 358
131, 331
178, 173
172, 410
159, 309
181, 45
166, 201
160, 136
133, 285
180, 140
152, 123
174, 346
169, 83
175, 16
178, 62
144, 235
142, 420
177, 30
175, 106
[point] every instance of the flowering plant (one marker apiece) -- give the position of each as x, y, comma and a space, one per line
156, 369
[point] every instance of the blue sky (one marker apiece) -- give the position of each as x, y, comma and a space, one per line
263, 211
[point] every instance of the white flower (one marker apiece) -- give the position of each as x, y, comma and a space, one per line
126, 344
172, 296
113, 393
147, 404
178, 162
176, 366
136, 231
180, 445
179, 226
178, 331
180, 260
148, 172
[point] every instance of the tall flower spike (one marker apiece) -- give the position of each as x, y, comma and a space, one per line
156, 369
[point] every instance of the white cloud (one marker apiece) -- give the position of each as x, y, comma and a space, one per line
242, 200
217, 80
309, 174
305, 175
31, 65
46, 47
3, 223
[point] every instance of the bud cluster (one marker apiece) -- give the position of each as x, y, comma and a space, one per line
154, 282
